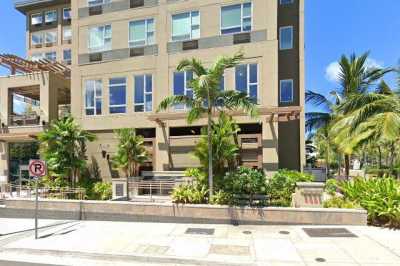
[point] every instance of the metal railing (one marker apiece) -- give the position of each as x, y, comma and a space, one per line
24, 120
9, 191
153, 187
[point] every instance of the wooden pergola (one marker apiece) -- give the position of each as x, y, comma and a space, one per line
17, 64
272, 114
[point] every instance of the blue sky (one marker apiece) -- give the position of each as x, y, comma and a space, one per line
333, 28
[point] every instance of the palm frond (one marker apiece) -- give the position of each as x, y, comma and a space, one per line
174, 100
318, 99
193, 65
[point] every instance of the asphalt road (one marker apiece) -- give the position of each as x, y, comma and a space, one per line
18, 263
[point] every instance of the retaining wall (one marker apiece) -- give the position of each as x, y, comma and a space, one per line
169, 212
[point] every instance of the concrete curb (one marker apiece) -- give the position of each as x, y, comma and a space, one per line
121, 257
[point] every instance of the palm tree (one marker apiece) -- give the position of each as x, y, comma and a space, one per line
356, 77
373, 118
225, 149
131, 153
208, 98
63, 146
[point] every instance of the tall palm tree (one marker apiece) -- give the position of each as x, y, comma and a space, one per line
63, 146
355, 77
208, 98
373, 117
131, 153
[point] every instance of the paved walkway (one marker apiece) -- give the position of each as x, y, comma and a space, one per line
122, 243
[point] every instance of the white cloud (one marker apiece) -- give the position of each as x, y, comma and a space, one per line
333, 69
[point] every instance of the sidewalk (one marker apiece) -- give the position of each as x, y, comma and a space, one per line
122, 243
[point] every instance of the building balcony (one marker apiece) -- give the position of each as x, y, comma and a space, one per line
29, 102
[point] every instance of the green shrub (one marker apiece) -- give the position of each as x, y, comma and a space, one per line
53, 182
222, 198
190, 194
245, 181
102, 191
379, 196
199, 176
341, 202
283, 184
331, 186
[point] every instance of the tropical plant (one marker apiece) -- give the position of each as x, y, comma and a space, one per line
190, 194
208, 98
102, 191
225, 150
245, 182
282, 185
341, 203
331, 186
63, 147
379, 196
356, 77
131, 153
222, 198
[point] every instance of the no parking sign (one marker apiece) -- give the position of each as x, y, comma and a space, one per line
37, 168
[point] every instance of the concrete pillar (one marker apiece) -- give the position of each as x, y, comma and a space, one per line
270, 146
162, 155
4, 167
3, 103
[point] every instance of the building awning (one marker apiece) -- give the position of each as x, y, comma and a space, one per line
20, 65
276, 114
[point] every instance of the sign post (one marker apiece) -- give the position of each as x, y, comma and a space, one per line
37, 169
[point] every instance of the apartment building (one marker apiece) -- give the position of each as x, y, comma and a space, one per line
123, 56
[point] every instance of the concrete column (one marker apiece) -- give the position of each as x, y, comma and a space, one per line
270, 146
162, 157
4, 167
45, 98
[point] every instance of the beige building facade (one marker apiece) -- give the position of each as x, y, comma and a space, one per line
124, 56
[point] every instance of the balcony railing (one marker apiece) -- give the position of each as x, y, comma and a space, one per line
24, 120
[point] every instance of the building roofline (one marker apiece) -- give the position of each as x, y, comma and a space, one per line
24, 6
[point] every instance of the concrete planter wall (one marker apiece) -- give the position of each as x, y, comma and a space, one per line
168, 212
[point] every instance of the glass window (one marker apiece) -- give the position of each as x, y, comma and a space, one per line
37, 56
67, 56
67, 13
186, 26
141, 32
51, 56
100, 38
143, 93
37, 38
182, 87
246, 79
117, 98
50, 37
50, 16
98, 2
236, 18
36, 19
286, 2
286, 38
286, 91
93, 97
67, 33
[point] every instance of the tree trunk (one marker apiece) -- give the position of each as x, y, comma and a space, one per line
327, 160
210, 159
380, 157
347, 165
392, 155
